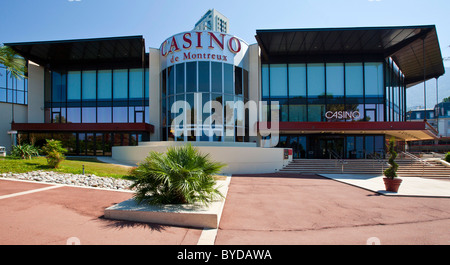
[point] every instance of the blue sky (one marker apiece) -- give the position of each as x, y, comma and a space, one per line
31, 20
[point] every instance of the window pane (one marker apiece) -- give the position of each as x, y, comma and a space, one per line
316, 112
203, 76
104, 114
73, 85
73, 115
373, 74
238, 81
191, 77
354, 79
170, 80
89, 85
104, 84
59, 87
316, 80
228, 78
180, 78
136, 83
2, 77
120, 114
216, 77
265, 80
335, 80
89, 115
120, 84
147, 85
278, 80
297, 80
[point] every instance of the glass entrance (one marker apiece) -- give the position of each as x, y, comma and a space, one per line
327, 147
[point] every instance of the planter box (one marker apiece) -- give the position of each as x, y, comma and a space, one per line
173, 214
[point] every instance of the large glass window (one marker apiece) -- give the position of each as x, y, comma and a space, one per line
335, 80
191, 77
228, 78
297, 81
73, 85
265, 80
216, 77
278, 81
354, 80
89, 85
104, 84
136, 83
59, 87
120, 84
316, 80
203, 76
373, 80
180, 78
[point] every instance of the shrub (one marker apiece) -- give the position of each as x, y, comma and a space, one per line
391, 172
447, 157
25, 151
54, 152
181, 175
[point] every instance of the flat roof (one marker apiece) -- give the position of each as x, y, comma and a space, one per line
405, 44
86, 52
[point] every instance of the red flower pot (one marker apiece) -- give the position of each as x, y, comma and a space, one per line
392, 184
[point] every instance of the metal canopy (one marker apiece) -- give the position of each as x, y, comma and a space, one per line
84, 52
404, 44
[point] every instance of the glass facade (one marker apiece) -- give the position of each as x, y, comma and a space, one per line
306, 92
95, 96
318, 92
201, 82
12, 90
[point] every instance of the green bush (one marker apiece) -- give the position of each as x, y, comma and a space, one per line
25, 151
391, 172
181, 175
54, 152
447, 157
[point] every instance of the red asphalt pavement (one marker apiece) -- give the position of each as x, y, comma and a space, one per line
260, 209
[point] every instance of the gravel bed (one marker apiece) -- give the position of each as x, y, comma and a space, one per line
71, 179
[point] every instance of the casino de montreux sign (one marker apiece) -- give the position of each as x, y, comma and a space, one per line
202, 46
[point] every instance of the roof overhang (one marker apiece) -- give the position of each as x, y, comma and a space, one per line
126, 51
406, 45
408, 131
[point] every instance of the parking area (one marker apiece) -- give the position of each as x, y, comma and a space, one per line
260, 209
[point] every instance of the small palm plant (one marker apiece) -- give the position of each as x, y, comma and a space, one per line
180, 176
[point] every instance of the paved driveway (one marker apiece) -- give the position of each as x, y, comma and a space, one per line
308, 209
260, 209
58, 215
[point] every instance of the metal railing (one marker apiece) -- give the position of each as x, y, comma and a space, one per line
415, 158
338, 159
377, 158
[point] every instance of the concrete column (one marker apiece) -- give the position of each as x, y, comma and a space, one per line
35, 93
155, 94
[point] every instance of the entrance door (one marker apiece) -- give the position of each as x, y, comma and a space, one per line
326, 147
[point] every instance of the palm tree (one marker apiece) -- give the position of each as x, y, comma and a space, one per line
15, 66
181, 175
13, 62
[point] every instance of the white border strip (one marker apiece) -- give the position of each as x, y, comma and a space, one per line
29, 191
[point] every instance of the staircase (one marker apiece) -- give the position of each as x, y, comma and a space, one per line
407, 167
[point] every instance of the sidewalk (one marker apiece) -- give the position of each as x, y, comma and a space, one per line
410, 186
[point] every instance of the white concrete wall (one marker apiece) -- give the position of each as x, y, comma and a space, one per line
244, 159
35, 93
254, 82
20, 116
155, 94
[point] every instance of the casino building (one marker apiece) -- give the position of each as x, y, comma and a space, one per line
327, 92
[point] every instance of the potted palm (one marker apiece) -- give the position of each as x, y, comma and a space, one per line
391, 180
